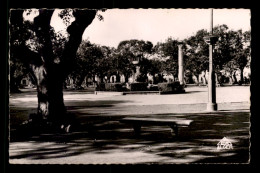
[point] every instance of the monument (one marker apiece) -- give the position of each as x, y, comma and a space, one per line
180, 62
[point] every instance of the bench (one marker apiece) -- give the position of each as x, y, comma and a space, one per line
173, 123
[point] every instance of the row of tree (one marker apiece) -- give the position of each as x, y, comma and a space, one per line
231, 52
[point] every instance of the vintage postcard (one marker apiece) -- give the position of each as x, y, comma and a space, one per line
129, 86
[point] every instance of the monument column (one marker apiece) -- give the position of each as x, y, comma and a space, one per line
180, 62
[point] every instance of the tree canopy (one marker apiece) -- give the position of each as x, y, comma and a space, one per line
232, 51
48, 56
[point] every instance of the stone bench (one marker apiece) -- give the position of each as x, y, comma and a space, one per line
173, 123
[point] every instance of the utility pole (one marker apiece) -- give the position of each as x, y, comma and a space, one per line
211, 40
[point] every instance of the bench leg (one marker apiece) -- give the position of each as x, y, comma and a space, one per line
137, 129
174, 130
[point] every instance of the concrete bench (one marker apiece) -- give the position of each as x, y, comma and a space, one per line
173, 123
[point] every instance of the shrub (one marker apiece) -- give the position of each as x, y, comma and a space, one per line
138, 86
141, 78
153, 88
109, 87
113, 86
168, 88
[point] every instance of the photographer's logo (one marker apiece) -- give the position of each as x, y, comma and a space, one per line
225, 144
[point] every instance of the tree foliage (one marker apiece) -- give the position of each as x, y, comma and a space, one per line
196, 54
168, 51
231, 52
49, 57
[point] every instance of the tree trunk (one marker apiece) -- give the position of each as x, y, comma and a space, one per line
50, 94
14, 81
241, 76
154, 79
87, 80
234, 78
101, 79
15, 84
49, 74
126, 78
108, 78
80, 81
93, 80
117, 78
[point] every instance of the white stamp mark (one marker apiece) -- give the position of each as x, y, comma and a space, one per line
225, 144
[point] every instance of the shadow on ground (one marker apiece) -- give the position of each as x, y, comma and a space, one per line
101, 138
103, 135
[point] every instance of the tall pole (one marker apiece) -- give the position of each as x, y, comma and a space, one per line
211, 22
212, 105
180, 60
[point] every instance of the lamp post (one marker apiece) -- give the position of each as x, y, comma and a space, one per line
211, 40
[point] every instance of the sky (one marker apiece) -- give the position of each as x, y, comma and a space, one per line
156, 25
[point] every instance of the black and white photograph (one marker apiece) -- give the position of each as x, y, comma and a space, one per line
129, 86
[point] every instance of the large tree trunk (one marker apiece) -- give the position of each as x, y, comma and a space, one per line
50, 94
50, 74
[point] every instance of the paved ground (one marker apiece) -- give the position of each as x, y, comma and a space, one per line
102, 139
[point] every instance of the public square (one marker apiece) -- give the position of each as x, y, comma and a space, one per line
102, 139
110, 89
